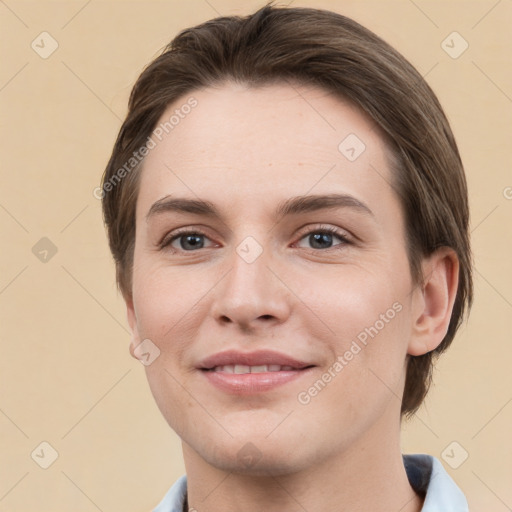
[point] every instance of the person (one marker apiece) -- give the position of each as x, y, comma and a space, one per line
288, 214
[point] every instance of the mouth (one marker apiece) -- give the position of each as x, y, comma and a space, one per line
242, 369
260, 361
243, 380
243, 373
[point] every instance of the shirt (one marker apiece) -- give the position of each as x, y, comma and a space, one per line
426, 475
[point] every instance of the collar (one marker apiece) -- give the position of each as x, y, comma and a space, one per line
426, 475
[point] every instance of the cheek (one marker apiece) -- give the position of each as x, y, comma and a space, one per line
167, 303
175, 405
164, 306
368, 319
352, 299
165, 300
364, 380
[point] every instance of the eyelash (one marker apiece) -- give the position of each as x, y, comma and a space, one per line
166, 242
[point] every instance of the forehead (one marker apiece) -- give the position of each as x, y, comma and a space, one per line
277, 140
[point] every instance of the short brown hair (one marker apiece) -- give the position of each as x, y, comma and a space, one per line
312, 47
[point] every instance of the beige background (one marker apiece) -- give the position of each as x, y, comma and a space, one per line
66, 376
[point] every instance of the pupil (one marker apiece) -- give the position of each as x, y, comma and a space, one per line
193, 240
319, 237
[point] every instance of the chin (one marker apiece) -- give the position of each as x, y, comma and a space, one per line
257, 457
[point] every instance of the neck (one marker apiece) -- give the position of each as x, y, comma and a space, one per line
366, 475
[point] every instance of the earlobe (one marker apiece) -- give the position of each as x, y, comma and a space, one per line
434, 302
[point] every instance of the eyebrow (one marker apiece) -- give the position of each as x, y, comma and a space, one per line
292, 206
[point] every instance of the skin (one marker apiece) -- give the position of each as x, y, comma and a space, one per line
245, 150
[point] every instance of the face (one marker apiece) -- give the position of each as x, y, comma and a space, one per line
262, 270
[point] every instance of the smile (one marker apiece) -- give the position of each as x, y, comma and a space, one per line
241, 369
245, 380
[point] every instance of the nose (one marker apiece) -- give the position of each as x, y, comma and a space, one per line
252, 294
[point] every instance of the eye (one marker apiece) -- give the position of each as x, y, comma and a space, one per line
322, 238
186, 240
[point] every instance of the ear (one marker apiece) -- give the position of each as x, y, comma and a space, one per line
433, 302
132, 322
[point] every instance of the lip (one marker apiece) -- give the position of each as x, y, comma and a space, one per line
256, 358
252, 383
